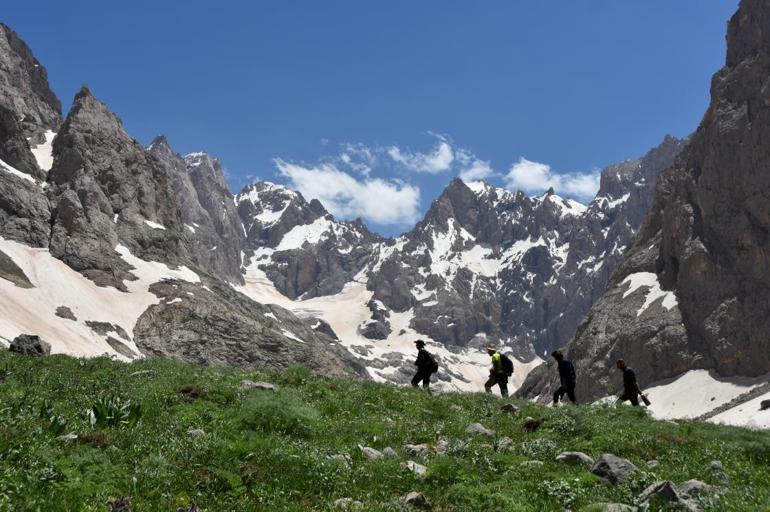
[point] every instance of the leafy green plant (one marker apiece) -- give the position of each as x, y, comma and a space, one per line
113, 411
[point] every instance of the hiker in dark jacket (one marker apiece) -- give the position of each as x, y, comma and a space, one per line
631, 389
566, 376
424, 364
497, 374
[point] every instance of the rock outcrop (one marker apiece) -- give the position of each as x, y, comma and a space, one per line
693, 290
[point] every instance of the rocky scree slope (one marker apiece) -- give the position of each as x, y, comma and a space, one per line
693, 291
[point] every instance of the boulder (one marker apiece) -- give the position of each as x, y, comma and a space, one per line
371, 453
612, 468
347, 503
30, 345
504, 443
416, 499
693, 488
442, 446
509, 408
764, 405
530, 424
196, 432
418, 469
250, 384
477, 429
575, 458
417, 449
389, 452
667, 492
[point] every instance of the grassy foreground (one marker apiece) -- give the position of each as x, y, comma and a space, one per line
272, 450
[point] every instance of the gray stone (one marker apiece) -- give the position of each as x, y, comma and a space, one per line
389, 452
265, 386
613, 469
371, 453
442, 446
611, 507
764, 405
66, 313
575, 458
693, 488
30, 345
667, 492
416, 499
530, 424
509, 408
532, 463
419, 470
477, 429
196, 432
652, 464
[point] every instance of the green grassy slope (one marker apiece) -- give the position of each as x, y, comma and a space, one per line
270, 450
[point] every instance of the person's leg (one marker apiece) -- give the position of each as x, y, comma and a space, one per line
416, 379
571, 394
426, 382
489, 383
634, 399
558, 395
503, 383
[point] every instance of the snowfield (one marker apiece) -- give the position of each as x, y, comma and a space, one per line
33, 310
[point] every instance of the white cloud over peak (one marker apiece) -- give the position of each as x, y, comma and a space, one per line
472, 168
381, 201
535, 177
438, 160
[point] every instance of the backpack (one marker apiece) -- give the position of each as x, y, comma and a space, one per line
507, 364
433, 363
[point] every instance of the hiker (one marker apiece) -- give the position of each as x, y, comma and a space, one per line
631, 389
567, 378
426, 365
502, 368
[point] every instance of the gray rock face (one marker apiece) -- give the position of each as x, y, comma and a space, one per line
703, 241
24, 87
65, 312
224, 327
575, 458
30, 345
299, 245
109, 191
668, 493
613, 469
211, 220
10, 271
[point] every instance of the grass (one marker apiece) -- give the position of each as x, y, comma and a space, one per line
267, 450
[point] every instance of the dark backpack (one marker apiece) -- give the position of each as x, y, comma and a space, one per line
433, 366
507, 364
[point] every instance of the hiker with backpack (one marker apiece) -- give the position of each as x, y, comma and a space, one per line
631, 390
502, 368
426, 366
567, 378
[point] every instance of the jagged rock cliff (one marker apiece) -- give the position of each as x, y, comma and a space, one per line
693, 291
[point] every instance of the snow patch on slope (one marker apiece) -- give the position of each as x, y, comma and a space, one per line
649, 280
43, 152
12, 170
746, 415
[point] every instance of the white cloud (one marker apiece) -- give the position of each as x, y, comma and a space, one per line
472, 168
437, 161
380, 201
534, 177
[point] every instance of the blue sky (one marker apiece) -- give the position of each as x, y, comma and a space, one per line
374, 106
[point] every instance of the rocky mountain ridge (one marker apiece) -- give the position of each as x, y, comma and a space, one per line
692, 292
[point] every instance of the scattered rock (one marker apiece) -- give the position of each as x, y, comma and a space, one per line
141, 372
416, 499
667, 492
509, 408
30, 345
531, 463
371, 453
250, 384
417, 449
418, 469
389, 452
716, 465
718, 472
612, 468
575, 458
442, 446
66, 313
504, 443
652, 464
347, 503
196, 432
693, 488
764, 405
530, 424
479, 429
345, 459
68, 437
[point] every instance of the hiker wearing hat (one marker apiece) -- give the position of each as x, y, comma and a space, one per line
426, 366
567, 378
502, 368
